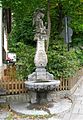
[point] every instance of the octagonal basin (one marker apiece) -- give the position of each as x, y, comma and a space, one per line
42, 85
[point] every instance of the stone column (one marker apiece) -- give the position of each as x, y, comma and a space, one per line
1, 63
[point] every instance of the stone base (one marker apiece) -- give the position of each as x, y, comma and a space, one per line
48, 97
42, 109
38, 97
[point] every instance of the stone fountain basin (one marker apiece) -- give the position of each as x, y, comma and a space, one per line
42, 85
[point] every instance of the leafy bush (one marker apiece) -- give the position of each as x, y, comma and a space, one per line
25, 59
77, 41
79, 53
62, 64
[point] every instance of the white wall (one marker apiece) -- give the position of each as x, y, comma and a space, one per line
5, 41
1, 64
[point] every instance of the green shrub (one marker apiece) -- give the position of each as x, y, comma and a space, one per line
79, 53
62, 64
25, 59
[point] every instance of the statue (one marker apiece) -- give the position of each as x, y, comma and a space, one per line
41, 31
40, 81
40, 59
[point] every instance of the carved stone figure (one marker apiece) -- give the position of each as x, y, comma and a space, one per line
41, 35
41, 31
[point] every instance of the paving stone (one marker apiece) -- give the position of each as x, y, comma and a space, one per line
76, 117
54, 118
66, 116
76, 107
82, 102
4, 115
81, 109
77, 92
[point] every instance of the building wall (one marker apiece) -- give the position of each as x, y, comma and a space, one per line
1, 64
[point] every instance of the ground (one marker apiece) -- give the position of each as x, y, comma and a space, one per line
74, 113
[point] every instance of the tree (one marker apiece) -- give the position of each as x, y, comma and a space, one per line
49, 25
55, 10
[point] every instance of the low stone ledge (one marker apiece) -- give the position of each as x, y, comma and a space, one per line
71, 91
16, 98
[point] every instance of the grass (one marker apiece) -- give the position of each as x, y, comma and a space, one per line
4, 106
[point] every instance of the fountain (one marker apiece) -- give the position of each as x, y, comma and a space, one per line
40, 83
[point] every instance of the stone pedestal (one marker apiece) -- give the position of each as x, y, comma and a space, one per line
41, 74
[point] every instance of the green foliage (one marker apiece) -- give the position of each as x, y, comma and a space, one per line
25, 60
79, 53
22, 28
22, 25
9, 117
77, 41
62, 64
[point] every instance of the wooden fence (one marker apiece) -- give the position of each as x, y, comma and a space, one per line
67, 84
14, 86
10, 83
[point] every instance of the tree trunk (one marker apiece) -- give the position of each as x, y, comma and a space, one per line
49, 26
